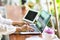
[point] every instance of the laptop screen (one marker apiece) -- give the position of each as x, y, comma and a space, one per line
31, 15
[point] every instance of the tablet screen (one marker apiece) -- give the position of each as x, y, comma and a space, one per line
42, 20
31, 15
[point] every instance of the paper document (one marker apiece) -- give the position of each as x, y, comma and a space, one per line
34, 38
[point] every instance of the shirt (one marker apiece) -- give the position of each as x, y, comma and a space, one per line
6, 26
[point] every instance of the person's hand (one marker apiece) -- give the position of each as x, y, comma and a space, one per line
24, 28
20, 29
18, 23
27, 28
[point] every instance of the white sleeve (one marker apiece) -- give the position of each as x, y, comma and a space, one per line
10, 29
7, 29
5, 21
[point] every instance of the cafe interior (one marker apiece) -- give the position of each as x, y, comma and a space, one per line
31, 20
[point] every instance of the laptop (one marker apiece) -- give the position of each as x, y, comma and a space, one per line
40, 23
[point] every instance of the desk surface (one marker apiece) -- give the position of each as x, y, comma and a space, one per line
21, 37
28, 33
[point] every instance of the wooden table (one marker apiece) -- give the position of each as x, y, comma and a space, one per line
22, 36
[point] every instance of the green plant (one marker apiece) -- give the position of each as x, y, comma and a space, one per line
58, 7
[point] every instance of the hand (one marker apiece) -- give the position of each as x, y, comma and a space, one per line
27, 28
30, 29
18, 23
23, 28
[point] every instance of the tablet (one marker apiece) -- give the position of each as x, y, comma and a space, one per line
42, 21
30, 16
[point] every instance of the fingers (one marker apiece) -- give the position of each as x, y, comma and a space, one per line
27, 28
24, 26
18, 29
18, 23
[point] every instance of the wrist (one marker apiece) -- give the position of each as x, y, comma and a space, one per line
13, 23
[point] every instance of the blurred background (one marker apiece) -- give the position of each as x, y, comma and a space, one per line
51, 6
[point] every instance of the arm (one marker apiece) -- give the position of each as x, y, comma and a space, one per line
5, 21
21, 23
9, 29
10, 22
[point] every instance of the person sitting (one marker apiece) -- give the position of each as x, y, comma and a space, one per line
7, 26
